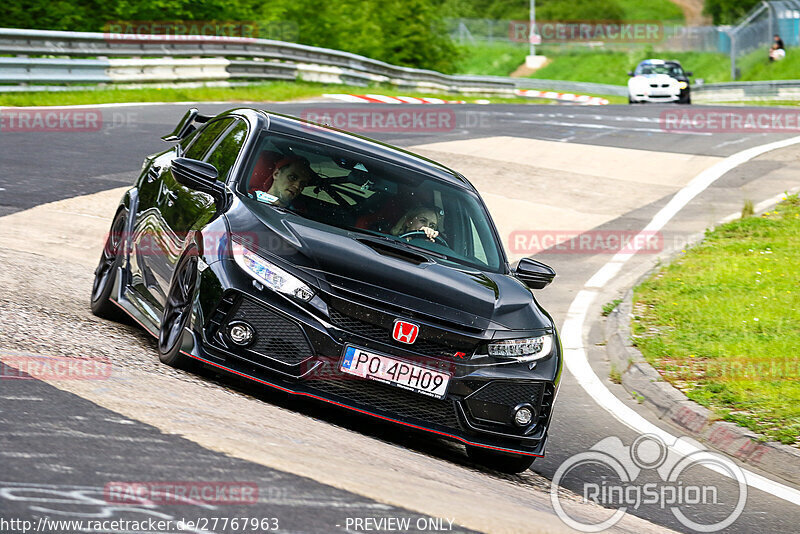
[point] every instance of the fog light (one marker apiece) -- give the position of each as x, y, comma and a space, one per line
241, 333
523, 416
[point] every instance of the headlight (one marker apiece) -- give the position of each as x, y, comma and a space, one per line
523, 350
269, 274
683, 85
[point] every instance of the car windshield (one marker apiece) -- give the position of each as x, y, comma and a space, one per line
354, 191
670, 69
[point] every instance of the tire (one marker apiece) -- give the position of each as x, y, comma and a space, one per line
105, 275
178, 311
498, 461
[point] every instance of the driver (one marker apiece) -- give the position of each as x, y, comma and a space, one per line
291, 176
279, 179
419, 219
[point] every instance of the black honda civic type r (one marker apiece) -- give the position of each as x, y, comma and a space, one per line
332, 266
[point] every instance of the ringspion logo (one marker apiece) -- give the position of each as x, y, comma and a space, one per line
650, 474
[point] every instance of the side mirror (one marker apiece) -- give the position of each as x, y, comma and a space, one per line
630, 73
534, 274
200, 176
689, 73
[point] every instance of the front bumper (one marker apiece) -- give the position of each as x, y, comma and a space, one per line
641, 97
298, 352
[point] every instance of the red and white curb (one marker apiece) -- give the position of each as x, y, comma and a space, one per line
383, 99
563, 97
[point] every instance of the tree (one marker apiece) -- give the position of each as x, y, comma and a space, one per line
728, 11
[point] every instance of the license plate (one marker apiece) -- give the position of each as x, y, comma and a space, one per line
394, 372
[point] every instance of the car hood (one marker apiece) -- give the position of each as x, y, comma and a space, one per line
353, 262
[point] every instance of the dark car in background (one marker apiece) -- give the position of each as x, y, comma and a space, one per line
335, 267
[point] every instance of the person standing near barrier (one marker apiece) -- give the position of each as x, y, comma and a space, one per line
777, 52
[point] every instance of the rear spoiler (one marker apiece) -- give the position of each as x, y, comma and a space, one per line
186, 125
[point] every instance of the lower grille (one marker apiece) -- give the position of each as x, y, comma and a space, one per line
277, 337
389, 400
509, 393
494, 402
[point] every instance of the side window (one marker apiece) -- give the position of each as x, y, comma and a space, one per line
225, 150
477, 244
204, 138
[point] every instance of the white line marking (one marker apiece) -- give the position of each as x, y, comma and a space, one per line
572, 329
607, 127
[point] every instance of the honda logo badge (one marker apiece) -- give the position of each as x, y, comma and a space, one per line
405, 332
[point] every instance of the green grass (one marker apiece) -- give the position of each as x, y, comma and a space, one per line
491, 59
755, 66
632, 10
722, 323
584, 65
261, 92
612, 66
608, 307
663, 10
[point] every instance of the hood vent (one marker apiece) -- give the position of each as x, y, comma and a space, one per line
385, 249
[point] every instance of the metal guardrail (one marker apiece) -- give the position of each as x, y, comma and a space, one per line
125, 58
43, 70
743, 91
572, 87
259, 58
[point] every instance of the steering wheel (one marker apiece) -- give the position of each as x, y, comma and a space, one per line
417, 234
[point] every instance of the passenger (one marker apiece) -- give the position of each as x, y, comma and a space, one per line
419, 219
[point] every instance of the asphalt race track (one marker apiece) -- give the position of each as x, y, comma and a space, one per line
553, 167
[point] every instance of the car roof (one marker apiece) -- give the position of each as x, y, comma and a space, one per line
308, 130
660, 62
